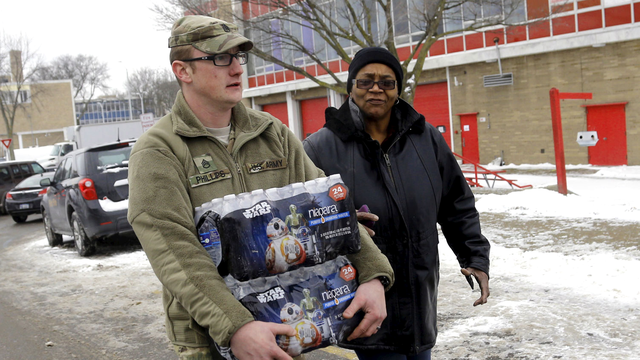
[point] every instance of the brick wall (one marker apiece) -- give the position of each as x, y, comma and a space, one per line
518, 116
51, 107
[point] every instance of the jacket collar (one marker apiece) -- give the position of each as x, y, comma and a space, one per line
185, 122
341, 122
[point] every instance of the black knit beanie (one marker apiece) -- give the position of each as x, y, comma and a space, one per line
376, 55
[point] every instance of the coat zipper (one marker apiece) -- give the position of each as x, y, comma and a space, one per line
236, 150
386, 160
239, 170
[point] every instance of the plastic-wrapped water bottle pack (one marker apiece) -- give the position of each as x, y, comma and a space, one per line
281, 251
309, 299
267, 232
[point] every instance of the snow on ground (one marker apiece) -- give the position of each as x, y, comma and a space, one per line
563, 271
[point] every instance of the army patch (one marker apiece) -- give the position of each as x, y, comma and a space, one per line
204, 163
210, 177
266, 165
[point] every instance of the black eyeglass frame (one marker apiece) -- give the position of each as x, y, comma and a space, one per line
242, 57
382, 84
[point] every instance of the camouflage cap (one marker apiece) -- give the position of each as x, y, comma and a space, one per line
207, 34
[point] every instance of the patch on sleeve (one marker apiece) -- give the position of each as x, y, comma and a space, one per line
210, 177
205, 163
265, 165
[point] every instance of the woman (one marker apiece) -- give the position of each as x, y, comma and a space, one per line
402, 169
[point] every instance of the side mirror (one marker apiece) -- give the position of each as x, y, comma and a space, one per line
45, 182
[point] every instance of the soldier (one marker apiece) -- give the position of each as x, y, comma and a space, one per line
204, 149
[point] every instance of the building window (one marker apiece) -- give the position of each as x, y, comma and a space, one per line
16, 97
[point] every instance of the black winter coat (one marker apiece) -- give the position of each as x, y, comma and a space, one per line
411, 186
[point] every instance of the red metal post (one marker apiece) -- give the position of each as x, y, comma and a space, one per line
558, 144
556, 121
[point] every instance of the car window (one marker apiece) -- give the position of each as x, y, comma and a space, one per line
55, 150
66, 148
26, 170
4, 174
68, 171
60, 173
16, 171
73, 168
37, 168
112, 158
33, 181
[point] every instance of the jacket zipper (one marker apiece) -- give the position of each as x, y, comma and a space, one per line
386, 160
236, 150
239, 170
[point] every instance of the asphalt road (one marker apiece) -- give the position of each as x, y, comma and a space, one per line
27, 333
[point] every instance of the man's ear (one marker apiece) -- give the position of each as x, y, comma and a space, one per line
182, 71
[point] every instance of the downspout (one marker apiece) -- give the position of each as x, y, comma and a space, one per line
496, 40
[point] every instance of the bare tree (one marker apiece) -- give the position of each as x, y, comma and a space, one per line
295, 34
87, 74
157, 86
18, 67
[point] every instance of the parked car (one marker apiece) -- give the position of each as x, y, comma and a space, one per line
11, 173
24, 199
88, 197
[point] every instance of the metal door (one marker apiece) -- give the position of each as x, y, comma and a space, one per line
609, 120
469, 135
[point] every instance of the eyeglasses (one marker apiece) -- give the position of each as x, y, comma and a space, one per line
224, 59
367, 84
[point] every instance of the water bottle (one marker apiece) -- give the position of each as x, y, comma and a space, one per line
209, 236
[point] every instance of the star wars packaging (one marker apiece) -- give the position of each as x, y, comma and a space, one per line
268, 232
309, 299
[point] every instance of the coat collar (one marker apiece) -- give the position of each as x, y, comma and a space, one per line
341, 122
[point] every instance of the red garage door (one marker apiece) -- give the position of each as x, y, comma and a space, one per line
278, 110
312, 111
432, 101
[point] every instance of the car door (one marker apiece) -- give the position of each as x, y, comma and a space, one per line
56, 197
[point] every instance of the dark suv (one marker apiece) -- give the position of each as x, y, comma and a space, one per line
11, 173
88, 196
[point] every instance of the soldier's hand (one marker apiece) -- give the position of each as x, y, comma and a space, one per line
370, 299
256, 340
483, 280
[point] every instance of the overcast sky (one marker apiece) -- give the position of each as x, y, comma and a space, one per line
122, 33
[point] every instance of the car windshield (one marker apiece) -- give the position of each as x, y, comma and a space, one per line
34, 181
55, 150
113, 158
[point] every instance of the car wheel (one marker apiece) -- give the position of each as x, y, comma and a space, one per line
84, 245
19, 218
53, 238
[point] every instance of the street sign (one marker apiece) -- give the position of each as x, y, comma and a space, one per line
6, 142
147, 121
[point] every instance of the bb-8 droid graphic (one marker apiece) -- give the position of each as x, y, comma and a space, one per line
307, 333
284, 250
